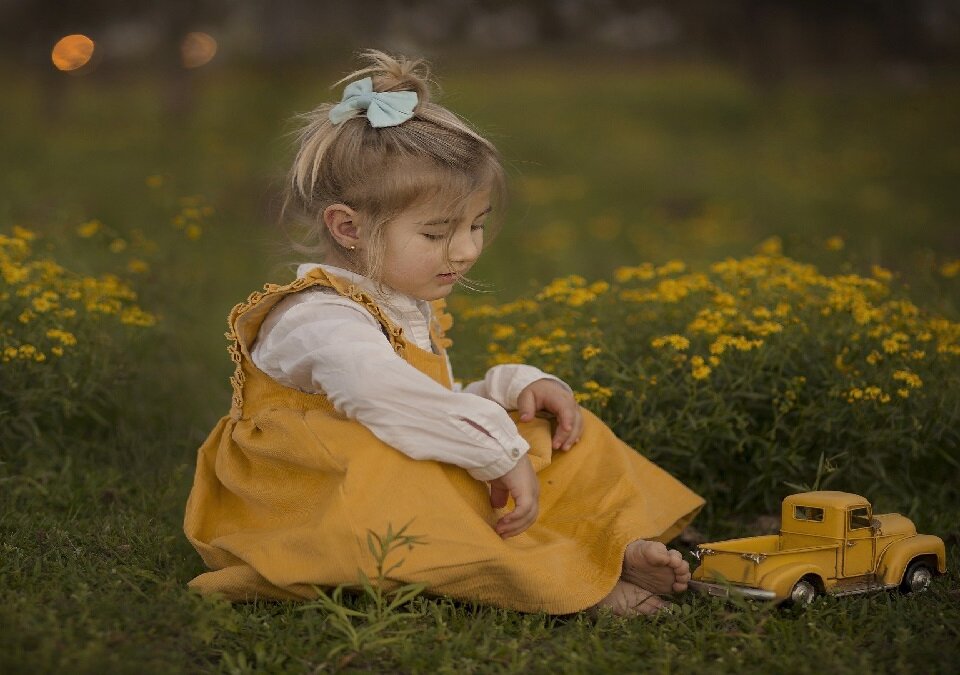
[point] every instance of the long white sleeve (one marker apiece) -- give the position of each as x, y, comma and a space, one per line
320, 342
504, 383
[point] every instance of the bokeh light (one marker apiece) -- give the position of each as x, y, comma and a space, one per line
72, 52
197, 49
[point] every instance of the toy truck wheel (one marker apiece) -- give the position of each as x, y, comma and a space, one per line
802, 593
917, 577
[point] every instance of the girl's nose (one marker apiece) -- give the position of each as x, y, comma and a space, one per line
464, 247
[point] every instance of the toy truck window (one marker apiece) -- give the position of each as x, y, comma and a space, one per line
812, 513
859, 518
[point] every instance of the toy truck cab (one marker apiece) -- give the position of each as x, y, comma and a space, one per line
829, 542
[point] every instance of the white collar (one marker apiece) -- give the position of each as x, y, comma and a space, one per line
399, 302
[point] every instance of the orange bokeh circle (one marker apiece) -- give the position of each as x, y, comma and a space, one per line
72, 52
197, 49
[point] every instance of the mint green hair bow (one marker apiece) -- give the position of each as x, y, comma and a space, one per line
384, 108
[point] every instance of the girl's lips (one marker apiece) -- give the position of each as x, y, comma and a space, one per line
448, 277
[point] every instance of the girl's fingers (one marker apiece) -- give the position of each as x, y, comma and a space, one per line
518, 520
526, 405
576, 432
569, 428
565, 421
498, 497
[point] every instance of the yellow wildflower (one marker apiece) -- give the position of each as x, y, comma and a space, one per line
724, 300
874, 357
502, 332
772, 246
739, 342
594, 392
13, 273
89, 228
763, 328
911, 379
589, 352
897, 342
56, 350
155, 181
134, 316
137, 266
605, 227
903, 393
950, 269
118, 245
678, 342
835, 244
642, 272
881, 273
671, 267
23, 233
698, 369
65, 337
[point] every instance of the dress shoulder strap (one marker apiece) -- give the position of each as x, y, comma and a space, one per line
246, 317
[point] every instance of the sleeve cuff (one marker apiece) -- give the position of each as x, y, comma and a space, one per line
520, 379
499, 467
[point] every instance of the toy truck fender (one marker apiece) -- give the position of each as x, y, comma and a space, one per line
898, 555
782, 579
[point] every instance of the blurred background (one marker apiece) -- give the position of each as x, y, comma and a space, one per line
632, 131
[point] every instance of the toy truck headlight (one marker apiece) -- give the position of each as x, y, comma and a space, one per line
700, 552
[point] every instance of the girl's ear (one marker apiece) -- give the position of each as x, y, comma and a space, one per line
340, 220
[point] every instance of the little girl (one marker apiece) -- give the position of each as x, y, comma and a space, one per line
345, 420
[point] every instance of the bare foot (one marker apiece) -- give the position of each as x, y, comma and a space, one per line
626, 599
652, 567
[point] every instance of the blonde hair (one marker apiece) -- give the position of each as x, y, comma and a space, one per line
380, 172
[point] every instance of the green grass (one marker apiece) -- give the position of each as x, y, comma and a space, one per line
629, 165
94, 565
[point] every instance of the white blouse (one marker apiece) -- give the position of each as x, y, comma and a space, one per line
321, 342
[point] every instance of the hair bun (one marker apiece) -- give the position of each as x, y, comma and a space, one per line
394, 74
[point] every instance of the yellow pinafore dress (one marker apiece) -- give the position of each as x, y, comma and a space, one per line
286, 490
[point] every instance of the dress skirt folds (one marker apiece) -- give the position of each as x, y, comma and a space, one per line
287, 489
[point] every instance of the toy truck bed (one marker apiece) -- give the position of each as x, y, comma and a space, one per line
745, 562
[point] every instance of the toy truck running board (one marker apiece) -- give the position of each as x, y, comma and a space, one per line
725, 591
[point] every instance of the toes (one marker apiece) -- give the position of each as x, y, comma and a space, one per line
641, 601
655, 553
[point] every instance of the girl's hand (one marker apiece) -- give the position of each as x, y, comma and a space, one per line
521, 483
555, 398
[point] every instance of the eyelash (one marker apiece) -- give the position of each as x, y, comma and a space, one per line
441, 237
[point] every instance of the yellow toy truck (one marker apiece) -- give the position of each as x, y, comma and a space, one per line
829, 542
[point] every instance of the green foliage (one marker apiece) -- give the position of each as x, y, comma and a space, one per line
755, 378
682, 162
61, 340
379, 623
